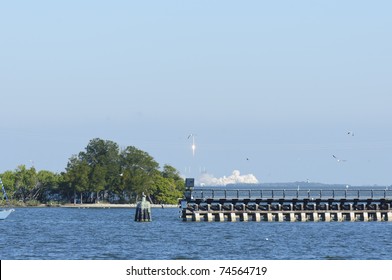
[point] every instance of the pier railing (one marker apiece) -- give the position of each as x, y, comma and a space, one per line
217, 194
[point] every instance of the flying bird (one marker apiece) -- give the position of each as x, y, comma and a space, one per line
339, 160
350, 133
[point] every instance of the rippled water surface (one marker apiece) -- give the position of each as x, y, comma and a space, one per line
72, 233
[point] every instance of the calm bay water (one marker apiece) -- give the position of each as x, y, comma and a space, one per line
72, 233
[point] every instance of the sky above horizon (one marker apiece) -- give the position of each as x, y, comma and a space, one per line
270, 90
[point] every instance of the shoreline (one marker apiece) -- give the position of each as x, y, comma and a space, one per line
108, 205
95, 205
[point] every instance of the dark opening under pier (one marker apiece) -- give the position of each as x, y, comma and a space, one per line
286, 205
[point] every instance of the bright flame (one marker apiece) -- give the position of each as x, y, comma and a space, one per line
193, 143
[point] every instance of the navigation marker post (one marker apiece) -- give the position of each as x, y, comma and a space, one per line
143, 210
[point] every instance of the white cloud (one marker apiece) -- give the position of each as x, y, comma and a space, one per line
235, 178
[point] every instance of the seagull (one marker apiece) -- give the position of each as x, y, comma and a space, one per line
338, 160
350, 133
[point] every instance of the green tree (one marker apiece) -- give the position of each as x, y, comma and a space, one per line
170, 172
8, 179
77, 176
26, 183
166, 191
102, 156
100, 171
139, 171
48, 183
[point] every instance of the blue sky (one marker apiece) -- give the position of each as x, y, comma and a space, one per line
279, 83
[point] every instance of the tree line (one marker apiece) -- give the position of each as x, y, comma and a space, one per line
101, 173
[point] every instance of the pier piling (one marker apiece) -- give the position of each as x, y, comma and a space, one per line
143, 211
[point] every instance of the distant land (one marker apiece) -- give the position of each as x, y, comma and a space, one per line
295, 185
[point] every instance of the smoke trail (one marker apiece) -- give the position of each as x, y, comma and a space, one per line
235, 178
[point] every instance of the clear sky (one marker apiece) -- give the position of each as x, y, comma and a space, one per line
269, 88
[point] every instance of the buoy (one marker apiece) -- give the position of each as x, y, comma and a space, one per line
143, 211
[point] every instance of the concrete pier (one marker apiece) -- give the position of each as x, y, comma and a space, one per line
256, 217
244, 217
232, 217
220, 217
281, 206
196, 217
271, 216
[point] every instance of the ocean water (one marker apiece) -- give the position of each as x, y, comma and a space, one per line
111, 234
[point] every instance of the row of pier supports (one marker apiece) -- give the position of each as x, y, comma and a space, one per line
282, 216
275, 206
217, 205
